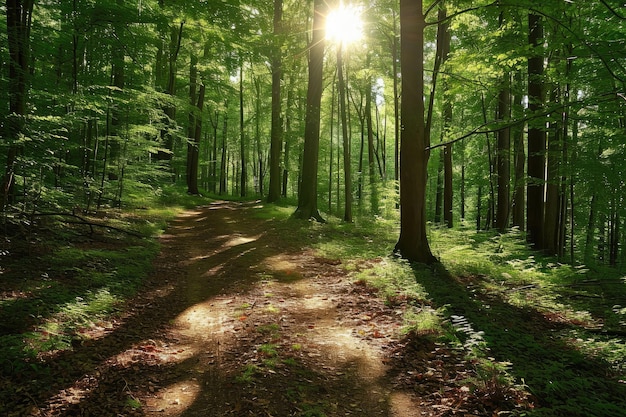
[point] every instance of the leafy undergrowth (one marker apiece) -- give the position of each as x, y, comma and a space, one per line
540, 338
65, 279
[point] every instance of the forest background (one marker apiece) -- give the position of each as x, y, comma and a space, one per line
107, 102
109, 106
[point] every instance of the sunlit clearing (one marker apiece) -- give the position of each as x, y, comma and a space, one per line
344, 24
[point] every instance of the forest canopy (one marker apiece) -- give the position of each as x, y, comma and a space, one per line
105, 103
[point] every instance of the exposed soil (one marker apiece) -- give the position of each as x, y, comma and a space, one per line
239, 318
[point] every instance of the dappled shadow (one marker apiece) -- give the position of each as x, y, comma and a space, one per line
225, 326
195, 244
562, 379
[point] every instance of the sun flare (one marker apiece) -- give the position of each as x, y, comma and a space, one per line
344, 24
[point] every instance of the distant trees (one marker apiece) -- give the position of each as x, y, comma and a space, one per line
103, 102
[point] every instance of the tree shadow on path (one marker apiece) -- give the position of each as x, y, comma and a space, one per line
208, 338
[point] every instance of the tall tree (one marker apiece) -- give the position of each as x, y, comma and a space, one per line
277, 126
347, 160
413, 242
517, 134
503, 156
536, 134
19, 20
242, 136
307, 195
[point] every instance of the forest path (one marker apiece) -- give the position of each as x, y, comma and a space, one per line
244, 321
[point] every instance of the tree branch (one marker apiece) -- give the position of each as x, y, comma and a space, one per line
612, 10
87, 222
479, 130
460, 12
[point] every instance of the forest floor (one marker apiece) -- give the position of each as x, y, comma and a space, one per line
239, 317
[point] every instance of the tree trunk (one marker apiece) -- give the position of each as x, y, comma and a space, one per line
191, 127
19, 20
276, 141
413, 243
332, 147
213, 157
396, 106
536, 136
194, 149
167, 139
504, 156
347, 158
448, 193
224, 159
462, 180
242, 136
519, 194
371, 162
307, 195
439, 188
591, 227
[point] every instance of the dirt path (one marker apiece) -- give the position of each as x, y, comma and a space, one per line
239, 320
264, 331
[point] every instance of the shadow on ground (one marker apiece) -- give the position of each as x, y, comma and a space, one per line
564, 381
254, 362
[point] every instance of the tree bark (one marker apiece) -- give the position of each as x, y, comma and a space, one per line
371, 161
307, 194
276, 141
194, 148
242, 137
19, 20
224, 158
176, 37
504, 156
347, 158
413, 243
519, 194
536, 136
553, 222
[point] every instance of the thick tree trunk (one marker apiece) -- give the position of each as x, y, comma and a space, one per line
19, 19
536, 137
276, 141
413, 243
307, 195
553, 205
